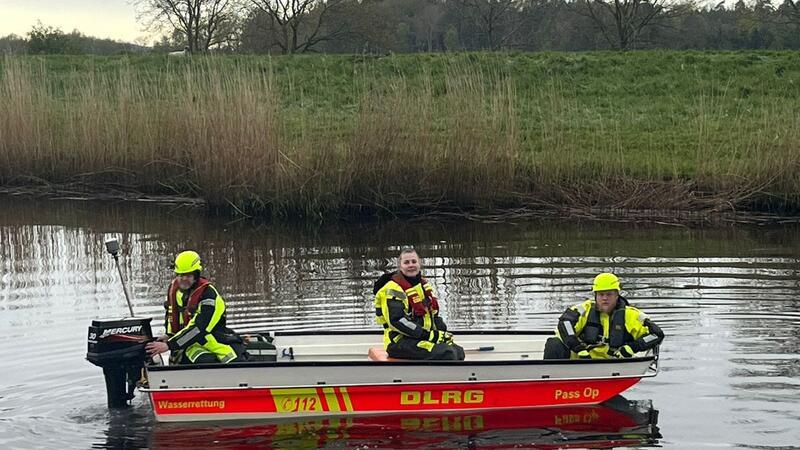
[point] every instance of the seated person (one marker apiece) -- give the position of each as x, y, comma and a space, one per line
408, 310
606, 327
195, 319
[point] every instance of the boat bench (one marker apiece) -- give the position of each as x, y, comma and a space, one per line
379, 354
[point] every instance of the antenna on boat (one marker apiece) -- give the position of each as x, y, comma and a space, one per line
112, 247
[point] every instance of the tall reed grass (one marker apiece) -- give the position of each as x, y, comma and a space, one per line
255, 135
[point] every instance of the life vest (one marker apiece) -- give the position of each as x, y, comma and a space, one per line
592, 332
419, 306
188, 308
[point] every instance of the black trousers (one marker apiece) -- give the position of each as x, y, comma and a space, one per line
408, 348
555, 349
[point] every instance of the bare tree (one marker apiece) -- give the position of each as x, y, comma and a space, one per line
204, 23
298, 25
426, 22
622, 21
496, 19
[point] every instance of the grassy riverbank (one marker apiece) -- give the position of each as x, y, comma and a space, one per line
320, 136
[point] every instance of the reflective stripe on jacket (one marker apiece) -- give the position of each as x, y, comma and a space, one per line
204, 328
583, 326
397, 316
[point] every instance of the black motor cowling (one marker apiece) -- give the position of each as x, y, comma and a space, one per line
117, 345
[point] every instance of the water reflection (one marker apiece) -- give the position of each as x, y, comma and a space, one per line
619, 422
728, 299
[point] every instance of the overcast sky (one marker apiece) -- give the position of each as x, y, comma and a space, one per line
115, 19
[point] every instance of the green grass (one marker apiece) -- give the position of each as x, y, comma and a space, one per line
324, 135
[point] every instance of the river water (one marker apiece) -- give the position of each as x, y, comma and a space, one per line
728, 299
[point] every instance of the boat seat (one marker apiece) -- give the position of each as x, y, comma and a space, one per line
379, 354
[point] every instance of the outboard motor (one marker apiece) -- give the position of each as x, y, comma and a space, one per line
117, 345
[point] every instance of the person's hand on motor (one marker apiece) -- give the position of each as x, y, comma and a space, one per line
156, 348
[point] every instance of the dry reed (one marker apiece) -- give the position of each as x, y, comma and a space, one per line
229, 134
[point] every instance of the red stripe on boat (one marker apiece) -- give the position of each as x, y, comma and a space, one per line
391, 398
323, 400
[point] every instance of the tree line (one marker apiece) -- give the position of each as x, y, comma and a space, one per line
408, 26
50, 40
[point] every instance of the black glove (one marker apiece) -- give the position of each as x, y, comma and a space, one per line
437, 337
447, 337
624, 352
581, 347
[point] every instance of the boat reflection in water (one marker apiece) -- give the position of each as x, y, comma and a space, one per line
617, 422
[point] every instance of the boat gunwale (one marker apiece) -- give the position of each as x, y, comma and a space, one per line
653, 357
366, 332
399, 385
401, 363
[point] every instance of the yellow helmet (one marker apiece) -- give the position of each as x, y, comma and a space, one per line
605, 282
187, 262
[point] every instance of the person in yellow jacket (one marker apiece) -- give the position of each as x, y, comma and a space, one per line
408, 310
604, 327
195, 319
